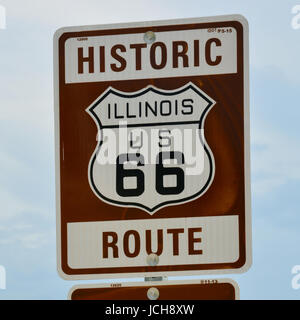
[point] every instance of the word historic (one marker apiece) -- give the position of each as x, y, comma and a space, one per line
181, 55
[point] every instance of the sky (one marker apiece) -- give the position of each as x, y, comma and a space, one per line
27, 183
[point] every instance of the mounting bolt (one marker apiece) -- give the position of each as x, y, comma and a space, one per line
152, 293
152, 259
149, 37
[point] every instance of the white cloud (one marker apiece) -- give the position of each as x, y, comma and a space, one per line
262, 186
11, 207
30, 239
23, 223
35, 240
16, 227
12, 164
275, 159
27, 101
69, 12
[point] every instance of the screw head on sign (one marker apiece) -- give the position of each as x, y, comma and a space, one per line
152, 293
149, 37
152, 259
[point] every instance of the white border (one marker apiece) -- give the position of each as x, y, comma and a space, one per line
154, 284
248, 227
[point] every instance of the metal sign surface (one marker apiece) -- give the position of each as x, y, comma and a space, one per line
152, 148
219, 289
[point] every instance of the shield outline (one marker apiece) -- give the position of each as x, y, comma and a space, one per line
111, 90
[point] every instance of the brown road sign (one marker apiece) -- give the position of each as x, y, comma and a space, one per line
221, 289
152, 148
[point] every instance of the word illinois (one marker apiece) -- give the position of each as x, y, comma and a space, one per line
181, 54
